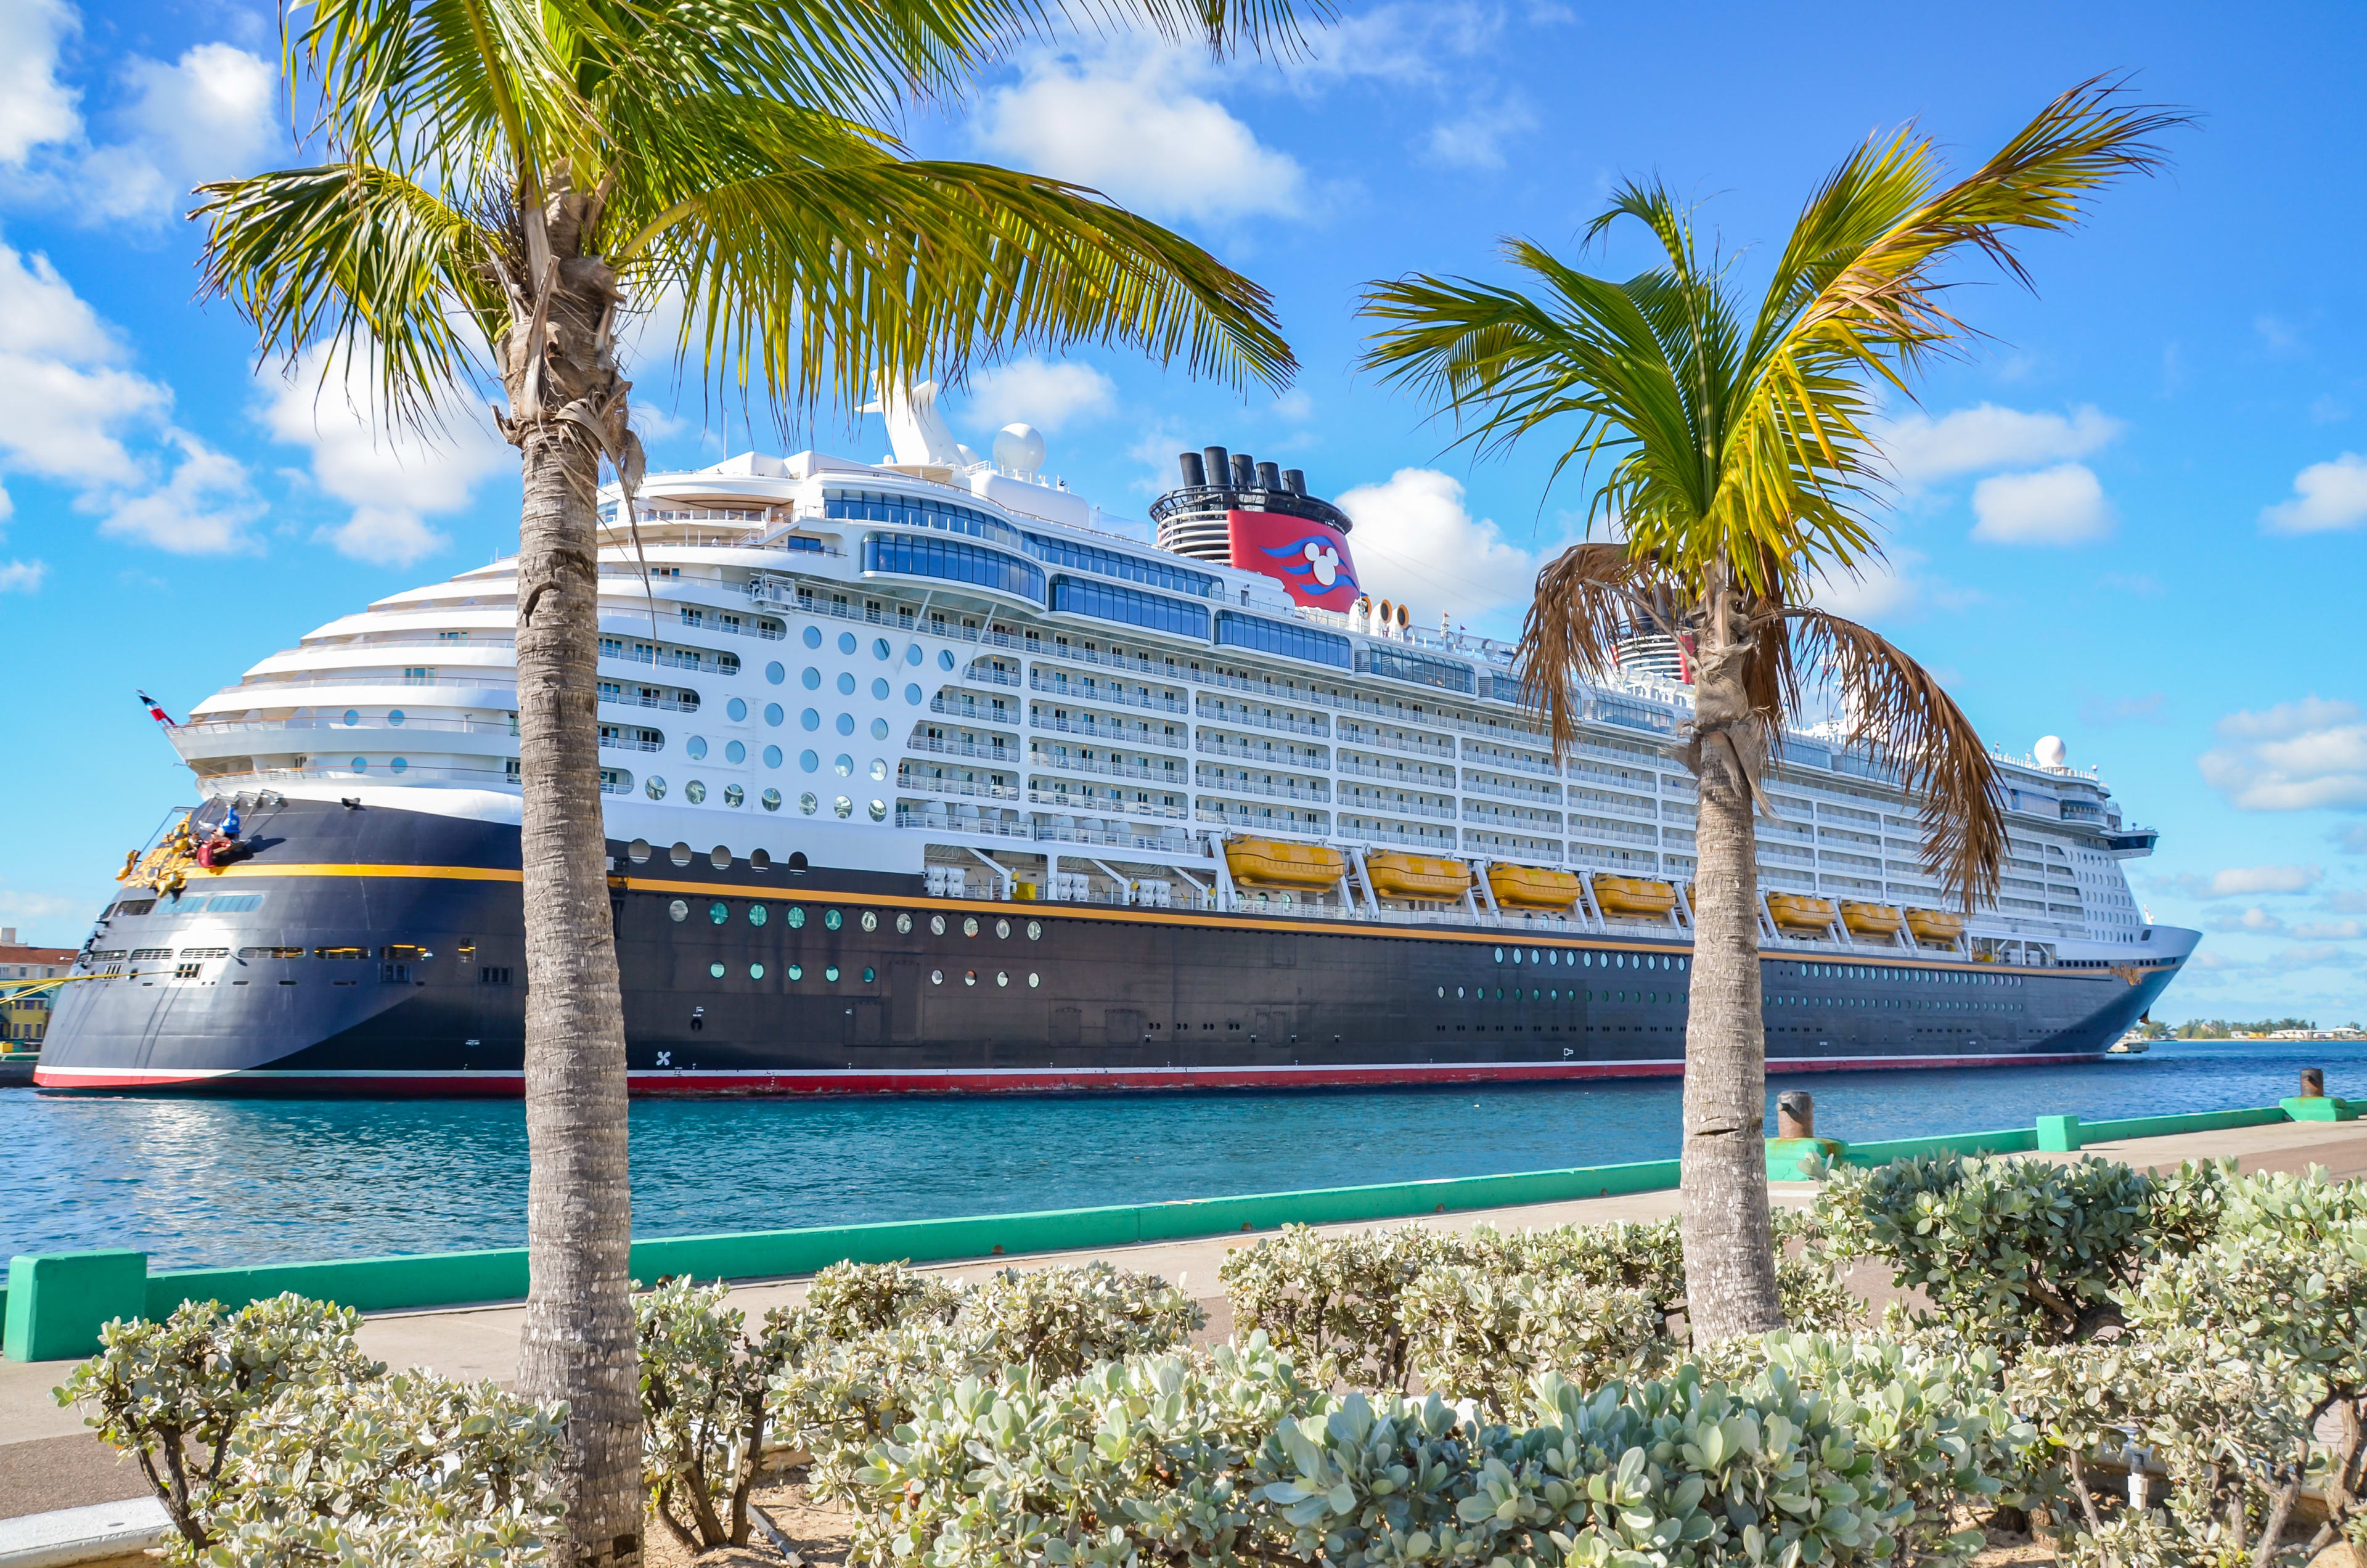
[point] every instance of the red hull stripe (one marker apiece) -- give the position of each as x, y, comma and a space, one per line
1014, 1080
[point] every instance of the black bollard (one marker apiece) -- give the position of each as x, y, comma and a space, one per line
2313, 1083
1795, 1114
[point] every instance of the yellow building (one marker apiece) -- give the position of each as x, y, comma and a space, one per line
25, 1006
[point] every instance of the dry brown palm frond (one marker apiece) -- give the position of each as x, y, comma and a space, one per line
1586, 596
1898, 709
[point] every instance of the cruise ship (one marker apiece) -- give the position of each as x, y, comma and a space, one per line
930, 775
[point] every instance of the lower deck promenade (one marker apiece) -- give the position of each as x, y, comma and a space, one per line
48, 1461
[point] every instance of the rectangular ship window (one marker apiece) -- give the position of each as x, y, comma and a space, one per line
271, 953
394, 974
494, 975
133, 906
188, 953
340, 953
234, 903
404, 951
141, 955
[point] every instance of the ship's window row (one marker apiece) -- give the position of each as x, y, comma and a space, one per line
913, 512
1154, 610
1283, 640
1111, 563
953, 562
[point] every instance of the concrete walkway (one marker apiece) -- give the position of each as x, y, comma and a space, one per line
48, 1460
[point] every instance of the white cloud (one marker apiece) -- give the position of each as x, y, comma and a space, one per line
390, 476
2062, 505
1923, 450
1415, 543
2330, 930
1044, 394
22, 576
71, 414
2255, 921
2328, 497
35, 107
2295, 756
1132, 121
1476, 139
1402, 43
2236, 882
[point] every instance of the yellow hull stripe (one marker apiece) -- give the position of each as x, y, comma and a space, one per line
1131, 916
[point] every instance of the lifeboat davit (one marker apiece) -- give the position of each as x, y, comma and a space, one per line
1272, 863
1532, 886
1797, 914
1634, 895
1870, 919
1395, 874
1935, 926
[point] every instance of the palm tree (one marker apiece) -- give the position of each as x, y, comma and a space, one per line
1738, 458
500, 182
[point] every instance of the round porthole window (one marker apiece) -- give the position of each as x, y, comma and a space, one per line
843, 765
945, 659
734, 753
796, 970
811, 679
880, 729
679, 854
936, 976
878, 811
736, 709
774, 713
734, 795
808, 760
1500, 955
846, 724
678, 910
878, 769
771, 756
398, 764
797, 916
881, 650
830, 973
1002, 929
869, 974
1034, 929
719, 911
970, 925
937, 925
846, 642
362, 765
870, 919
638, 851
715, 970
1002, 978
758, 914
969, 976
654, 786
809, 720
353, 716
912, 695
880, 691
694, 791
913, 655
904, 924
813, 637
808, 803
831, 919
755, 971
774, 674
845, 686
1033, 981
394, 716
843, 806
695, 746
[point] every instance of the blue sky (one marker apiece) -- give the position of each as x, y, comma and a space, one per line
2136, 518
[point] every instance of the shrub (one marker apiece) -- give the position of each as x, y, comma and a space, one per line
1483, 1333
850, 1299
176, 1393
410, 1470
1061, 1321
1333, 1299
705, 1386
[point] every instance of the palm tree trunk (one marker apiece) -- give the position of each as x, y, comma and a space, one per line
1728, 1239
578, 1344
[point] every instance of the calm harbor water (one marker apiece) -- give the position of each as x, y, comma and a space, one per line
196, 1182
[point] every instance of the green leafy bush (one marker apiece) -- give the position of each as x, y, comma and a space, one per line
1482, 1333
705, 1383
1332, 1298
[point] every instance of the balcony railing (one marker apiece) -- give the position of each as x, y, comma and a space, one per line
1212, 713
1110, 733
1410, 744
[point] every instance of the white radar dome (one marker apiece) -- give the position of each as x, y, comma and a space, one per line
2050, 751
1019, 448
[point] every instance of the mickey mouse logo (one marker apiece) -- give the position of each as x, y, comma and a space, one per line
1326, 562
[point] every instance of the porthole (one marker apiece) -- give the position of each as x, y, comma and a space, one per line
809, 761
774, 674
813, 637
398, 764
936, 976
694, 791
796, 970
871, 920
808, 803
845, 685
679, 854
882, 649
811, 678
969, 976
937, 925
719, 911
831, 919
734, 753
638, 851
970, 925
758, 914
696, 747
913, 655
797, 916
1534, 956
846, 642
657, 786
945, 659
843, 806
878, 810
830, 973
1033, 981
1003, 976
734, 795
678, 910
771, 756
1500, 955
904, 923
353, 716
736, 709
809, 720
394, 718
1035, 930
755, 971
843, 765
759, 862
1458, 993
878, 769
774, 713
912, 695
719, 857
1516, 954
1002, 929
1442, 990
715, 970
870, 974
846, 724
880, 691
879, 729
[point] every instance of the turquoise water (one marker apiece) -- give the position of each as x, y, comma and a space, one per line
196, 1182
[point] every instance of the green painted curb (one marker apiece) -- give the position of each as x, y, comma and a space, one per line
58, 1300
2059, 1134
1802, 1159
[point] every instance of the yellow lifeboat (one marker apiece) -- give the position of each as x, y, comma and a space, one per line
1634, 895
1270, 862
1935, 926
1799, 915
1532, 886
1870, 919
1395, 874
